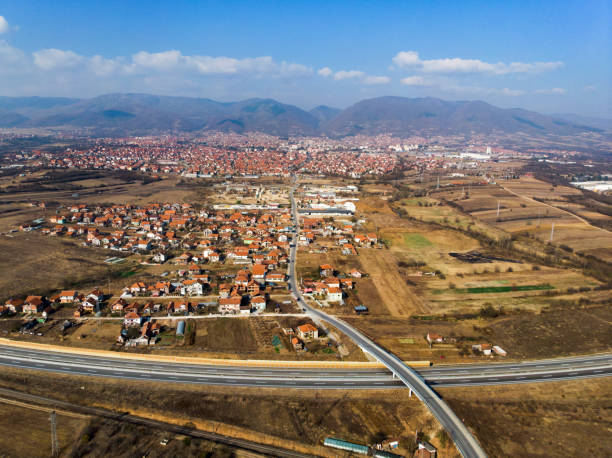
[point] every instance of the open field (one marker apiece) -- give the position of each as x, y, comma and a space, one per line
530, 206
539, 420
33, 263
301, 419
27, 429
521, 287
105, 437
66, 186
563, 331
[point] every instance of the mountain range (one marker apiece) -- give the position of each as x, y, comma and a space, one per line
141, 114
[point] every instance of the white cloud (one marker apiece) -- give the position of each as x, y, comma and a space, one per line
348, 74
589, 88
356, 75
376, 80
4, 25
411, 59
511, 92
101, 66
406, 59
552, 91
48, 59
416, 81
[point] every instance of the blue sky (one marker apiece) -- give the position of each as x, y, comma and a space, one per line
547, 56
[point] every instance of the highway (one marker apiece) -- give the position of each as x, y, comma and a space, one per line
440, 376
465, 442
396, 375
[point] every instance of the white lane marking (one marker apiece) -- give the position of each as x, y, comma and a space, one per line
597, 372
521, 377
573, 373
547, 375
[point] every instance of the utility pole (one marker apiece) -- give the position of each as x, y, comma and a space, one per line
54, 443
438, 185
552, 232
498, 208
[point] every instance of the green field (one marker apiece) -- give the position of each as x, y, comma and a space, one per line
416, 241
408, 340
496, 289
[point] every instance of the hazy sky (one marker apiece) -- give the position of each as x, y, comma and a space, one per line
550, 56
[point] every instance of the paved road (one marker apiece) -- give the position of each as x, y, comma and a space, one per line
461, 375
467, 445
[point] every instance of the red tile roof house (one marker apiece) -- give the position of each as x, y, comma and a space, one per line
118, 306
334, 295
259, 303
230, 304
275, 277
14, 305
259, 272
33, 304
308, 331
432, 338
68, 296
131, 319
326, 270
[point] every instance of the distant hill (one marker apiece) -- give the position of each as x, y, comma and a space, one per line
600, 123
120, 114
324, 113
400, 115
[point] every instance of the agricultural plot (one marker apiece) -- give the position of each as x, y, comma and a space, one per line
530, 206
520, 288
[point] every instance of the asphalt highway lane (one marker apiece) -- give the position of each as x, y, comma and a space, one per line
459, 375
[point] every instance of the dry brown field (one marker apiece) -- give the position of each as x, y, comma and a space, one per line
563, 331
27, 429
297, 419
32, 263
521, 213
559, 419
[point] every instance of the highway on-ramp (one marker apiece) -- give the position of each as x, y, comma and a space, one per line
465, 442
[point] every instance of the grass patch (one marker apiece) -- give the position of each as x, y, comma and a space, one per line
406, 341
416, 241
497, 289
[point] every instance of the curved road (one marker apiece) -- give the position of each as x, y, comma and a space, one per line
467, 445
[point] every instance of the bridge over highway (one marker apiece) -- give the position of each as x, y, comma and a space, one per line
465, 442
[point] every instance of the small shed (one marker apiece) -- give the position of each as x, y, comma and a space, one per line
180, 329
